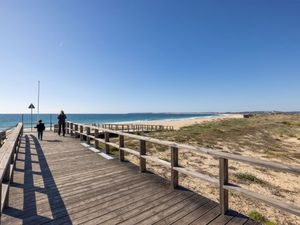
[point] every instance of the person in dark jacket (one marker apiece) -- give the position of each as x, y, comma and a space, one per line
40, 128
62, 123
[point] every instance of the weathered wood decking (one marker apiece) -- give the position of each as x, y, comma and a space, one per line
58, 181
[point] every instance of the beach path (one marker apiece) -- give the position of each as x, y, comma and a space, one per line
60, 181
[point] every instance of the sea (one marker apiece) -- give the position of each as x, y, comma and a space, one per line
9, 120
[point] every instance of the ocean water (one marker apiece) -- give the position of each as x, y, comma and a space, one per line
9, 120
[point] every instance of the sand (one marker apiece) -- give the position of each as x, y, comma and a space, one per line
177, 124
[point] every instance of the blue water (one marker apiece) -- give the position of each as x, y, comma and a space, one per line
8, 120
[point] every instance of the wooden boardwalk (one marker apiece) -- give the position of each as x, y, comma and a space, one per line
59, 181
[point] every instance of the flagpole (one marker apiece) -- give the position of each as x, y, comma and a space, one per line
38, 106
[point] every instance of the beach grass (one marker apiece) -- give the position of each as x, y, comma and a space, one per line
258, 217
268, 137
267, 134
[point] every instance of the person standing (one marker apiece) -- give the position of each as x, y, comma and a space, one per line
62, 123
40, 128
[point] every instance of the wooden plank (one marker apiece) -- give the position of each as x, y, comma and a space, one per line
207, 217
157, 160
262, 198
169, 211
99, 192
191, 217
238, 220
221, 220
198, 175
157, 208
194, 203
91, 216
133, 152
113, 145
109, 189
100, 140
106, 156
95, 208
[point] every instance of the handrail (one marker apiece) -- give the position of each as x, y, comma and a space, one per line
8, 156
4, 133
78, 130
134, 127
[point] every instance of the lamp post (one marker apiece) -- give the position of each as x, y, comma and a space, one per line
31, 107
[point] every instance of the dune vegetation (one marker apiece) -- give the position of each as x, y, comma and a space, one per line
268, 137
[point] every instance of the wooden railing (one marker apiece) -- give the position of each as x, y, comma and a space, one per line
2, 137
91, 132
8, 155
4, 133
134, 127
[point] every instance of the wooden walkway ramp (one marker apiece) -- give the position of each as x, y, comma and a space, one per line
59, 181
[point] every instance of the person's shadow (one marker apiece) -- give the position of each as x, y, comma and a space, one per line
31, 148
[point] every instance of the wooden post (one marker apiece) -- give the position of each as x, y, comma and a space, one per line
223, 176
96, 136
67, 126
142, 152
76, 129
106, 136
88, 132
71, 125
174, 163
121, 145
81, 132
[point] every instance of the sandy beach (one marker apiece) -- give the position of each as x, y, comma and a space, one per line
177, 124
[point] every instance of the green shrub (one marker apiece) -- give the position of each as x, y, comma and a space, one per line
292, 135
248, 177
258, 217
270, 223
286, 123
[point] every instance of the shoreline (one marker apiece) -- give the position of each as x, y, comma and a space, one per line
179, 123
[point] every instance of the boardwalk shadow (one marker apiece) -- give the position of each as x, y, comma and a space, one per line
49, 196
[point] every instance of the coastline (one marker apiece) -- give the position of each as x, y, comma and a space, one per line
179, 123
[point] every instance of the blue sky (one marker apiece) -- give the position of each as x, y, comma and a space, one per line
150, 56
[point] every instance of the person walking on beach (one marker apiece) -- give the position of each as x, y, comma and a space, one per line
62, 123
40, 128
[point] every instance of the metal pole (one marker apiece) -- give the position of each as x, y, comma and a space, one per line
22, 118
31, 119
38, 106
